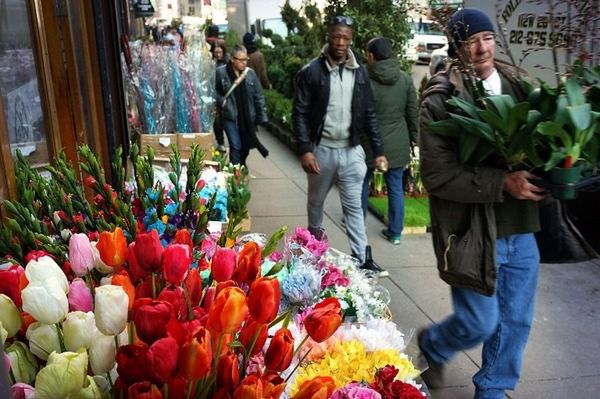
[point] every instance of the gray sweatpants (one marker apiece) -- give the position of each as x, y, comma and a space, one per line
346, 167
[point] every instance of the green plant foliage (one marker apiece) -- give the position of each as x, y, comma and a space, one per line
416, 210
279, 108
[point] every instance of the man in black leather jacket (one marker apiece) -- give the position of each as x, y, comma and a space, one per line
333, 107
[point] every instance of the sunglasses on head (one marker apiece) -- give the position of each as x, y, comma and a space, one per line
342, 20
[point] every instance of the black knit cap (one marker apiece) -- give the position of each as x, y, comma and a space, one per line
464, 24
381, 47
248, 38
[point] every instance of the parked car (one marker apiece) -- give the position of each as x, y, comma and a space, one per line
426, 37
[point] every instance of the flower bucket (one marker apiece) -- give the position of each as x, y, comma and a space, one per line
563, 178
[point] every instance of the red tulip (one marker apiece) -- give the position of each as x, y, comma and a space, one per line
182, 236
195, 356
222, 393
320, 387
176, 297
209, 298
122, 279
112, 247
144, 390
183, 330
178, 388
176, 262
281, 349
223, 264
228, 372
249, 331
144, 289
151, 318
12, 281
324, 319
162, 360
131, 363
273, 385
193, 285
35, 254
263, 300
248, 263
148, 251
228, 311
135, 271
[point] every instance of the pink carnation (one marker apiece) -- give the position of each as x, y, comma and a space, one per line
355, 390
276, 256
334, 276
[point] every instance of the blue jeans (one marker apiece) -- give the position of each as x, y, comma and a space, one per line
395, 188
502, 322
237, 154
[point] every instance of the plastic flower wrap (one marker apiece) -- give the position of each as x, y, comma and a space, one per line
301, 287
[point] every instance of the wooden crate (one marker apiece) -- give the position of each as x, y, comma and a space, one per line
203, 140
160, 143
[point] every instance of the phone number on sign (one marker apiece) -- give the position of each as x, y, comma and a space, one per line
539, 38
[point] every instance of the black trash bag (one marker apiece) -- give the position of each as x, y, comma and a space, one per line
559, 240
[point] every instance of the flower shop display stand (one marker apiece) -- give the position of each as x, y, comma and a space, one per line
161, 144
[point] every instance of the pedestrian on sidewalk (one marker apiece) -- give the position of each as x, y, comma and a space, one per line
220, 58
333, 106
398, 117
257, 60
483, 218
241, 106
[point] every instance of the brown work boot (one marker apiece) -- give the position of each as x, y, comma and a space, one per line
433, 376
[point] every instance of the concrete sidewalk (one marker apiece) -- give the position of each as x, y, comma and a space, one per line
562, 359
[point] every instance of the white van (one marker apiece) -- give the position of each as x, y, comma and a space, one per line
426, 38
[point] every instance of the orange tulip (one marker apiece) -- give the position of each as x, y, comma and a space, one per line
317, 388
252, 328
263, 300
273, 385
324, 320
248, 263
112, 247
268, 386
144, 390
281, 349
195, 356
228, 311
228, 371
122, 279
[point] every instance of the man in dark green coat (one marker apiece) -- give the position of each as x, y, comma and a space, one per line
397, 114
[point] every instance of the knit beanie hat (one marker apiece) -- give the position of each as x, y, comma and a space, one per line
381, 47
464, 24
248, 38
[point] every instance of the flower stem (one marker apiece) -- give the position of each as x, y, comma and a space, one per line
298, 365
110, 381
189, 390
61, 339
300, 346
153, 286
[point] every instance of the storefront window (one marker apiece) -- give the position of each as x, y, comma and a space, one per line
19, 86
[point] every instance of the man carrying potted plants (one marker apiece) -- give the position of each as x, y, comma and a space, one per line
483, 219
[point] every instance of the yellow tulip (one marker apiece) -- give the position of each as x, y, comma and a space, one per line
43, 339
63, 375
78, 330
23, 364
10, 318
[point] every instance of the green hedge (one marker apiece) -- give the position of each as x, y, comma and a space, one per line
279, 108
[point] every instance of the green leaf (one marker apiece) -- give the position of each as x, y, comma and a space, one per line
554, 159
445, 127
503, 104
495, 121
475, 127
580, 115
467, 145
517, 117
554, 130
464, 105
575, 92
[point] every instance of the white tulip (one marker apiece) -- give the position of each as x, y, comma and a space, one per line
45, 268
43, 340
78, 330
111, 309
10, 318
102, 353
45, 301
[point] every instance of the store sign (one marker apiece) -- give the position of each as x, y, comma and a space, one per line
144, 8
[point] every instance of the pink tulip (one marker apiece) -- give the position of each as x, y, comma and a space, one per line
80, 296
223, 264
22, 391
81, 255
176, 263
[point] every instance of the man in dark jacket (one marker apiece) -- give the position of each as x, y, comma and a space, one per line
483, 218
398, 117
241, 105
333, 107
256, 60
